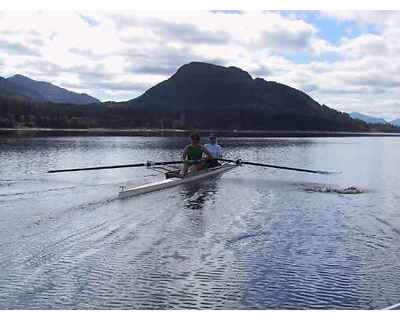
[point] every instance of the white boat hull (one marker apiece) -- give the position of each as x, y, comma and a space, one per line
168, 183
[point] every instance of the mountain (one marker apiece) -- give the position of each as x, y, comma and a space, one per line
367, 119
395, 122
202, 95
39, 91
13, 90
198, 96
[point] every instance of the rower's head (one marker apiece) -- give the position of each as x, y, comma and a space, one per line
213, 138
195, 138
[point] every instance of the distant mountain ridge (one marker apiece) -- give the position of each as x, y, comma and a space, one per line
367, 118
395, 122
39, 91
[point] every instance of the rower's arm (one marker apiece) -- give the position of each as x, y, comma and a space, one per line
209, 155
184, 154
220, 152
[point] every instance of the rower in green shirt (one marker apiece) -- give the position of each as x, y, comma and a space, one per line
194, 152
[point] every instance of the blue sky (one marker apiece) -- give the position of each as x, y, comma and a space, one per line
330, 28
348, 60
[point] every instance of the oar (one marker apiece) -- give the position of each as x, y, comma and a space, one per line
144, 164
277, 167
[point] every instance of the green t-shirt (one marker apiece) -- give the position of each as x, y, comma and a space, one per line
194, 153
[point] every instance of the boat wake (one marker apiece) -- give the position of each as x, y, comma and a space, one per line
331, 189
37, 192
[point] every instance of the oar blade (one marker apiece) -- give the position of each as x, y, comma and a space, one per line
329, 172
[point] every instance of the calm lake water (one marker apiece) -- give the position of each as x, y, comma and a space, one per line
253, 238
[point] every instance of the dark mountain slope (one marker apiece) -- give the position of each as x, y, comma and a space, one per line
13, 90
205, 96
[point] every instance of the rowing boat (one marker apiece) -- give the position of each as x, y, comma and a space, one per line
172, 182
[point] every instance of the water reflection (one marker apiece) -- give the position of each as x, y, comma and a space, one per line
195, 195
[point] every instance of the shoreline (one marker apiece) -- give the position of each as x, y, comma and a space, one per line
172, 132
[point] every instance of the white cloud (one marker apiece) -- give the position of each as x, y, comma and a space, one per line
292, 36
367, 44
16, 48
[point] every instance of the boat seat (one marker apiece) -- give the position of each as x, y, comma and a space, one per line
172, 174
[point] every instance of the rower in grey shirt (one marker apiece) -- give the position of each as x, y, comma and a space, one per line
215, 150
